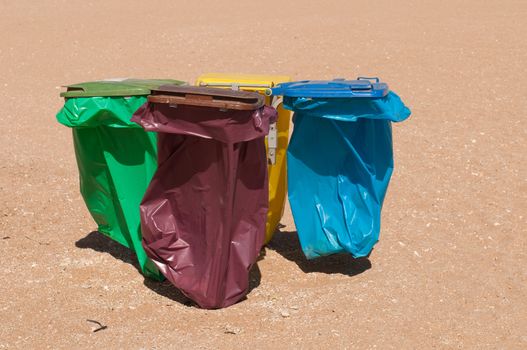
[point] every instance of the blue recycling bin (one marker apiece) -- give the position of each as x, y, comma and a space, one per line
339, 161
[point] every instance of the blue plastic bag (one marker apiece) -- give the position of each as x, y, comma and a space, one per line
340, 161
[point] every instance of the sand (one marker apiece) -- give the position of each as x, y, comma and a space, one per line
450, 268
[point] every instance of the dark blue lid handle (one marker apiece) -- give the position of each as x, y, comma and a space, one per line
370, 79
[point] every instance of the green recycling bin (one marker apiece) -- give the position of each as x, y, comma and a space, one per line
116, 157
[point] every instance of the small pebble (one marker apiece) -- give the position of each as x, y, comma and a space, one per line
232, 330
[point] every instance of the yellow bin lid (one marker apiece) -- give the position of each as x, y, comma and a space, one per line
247, 82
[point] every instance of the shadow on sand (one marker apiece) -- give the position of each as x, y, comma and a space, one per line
286, 244
99, 242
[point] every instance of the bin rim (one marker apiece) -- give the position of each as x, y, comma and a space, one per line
362, 87
207, 97
115, 87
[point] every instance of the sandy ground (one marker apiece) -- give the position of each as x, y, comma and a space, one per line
450, 269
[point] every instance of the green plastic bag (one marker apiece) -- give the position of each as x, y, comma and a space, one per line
116, 157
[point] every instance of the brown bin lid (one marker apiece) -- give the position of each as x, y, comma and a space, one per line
207, 97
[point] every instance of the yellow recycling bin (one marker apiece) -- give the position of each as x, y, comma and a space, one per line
276, 141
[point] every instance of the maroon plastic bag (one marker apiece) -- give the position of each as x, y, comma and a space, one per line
203, 216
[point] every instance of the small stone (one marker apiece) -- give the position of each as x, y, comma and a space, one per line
285, 314
231, 330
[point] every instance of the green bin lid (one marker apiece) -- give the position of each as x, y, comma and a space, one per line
116, 87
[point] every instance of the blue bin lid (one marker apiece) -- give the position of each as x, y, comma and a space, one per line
336, 88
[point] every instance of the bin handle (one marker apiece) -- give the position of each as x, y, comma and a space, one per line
376, 79
277, 101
